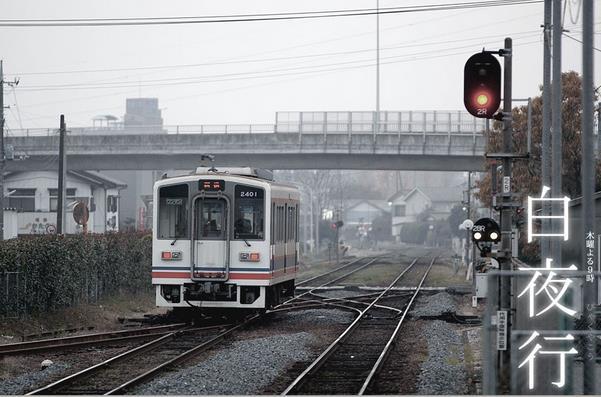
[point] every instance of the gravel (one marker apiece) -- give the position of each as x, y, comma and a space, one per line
245, 367
319, 317
435, 305
24, 383
443, 372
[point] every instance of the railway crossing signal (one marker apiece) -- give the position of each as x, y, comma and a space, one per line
482, 85
337, 225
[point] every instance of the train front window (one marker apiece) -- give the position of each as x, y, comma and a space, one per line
211, 219
173, 212
249, 213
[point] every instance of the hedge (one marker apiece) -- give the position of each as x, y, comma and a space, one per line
60, 271
414, 233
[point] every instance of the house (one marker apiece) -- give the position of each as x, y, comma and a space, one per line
34, 195
407, 205
363, 212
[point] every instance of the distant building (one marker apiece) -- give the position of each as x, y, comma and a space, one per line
143, 113
363, 212
34, 197
407, 205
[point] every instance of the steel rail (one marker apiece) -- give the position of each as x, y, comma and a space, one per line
48, 389
78, 338
90, 340
180, 358
392, 339
332, 281
319, 361
329, 272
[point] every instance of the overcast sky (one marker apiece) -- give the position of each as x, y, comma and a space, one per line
245, 72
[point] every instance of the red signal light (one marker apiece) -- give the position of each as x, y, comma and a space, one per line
482, 85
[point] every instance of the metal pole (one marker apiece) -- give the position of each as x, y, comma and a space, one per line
311, 223
546, 132
468, 233
588, 188
556, 122
505, 259
2, 159
62, 172
377, 125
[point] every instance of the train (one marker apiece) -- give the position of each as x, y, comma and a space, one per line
224, 240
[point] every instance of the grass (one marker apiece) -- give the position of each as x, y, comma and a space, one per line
101, 316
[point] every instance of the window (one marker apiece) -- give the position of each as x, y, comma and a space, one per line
173, 212
112, 203
69, 199
249, 213
399, 210
210, 214
22, 199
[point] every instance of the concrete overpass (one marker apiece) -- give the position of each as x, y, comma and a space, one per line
432, 141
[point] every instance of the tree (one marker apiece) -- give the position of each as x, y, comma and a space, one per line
527, 177
527, 174
456, 218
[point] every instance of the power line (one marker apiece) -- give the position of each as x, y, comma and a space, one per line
182, 20
578, 40
220, 77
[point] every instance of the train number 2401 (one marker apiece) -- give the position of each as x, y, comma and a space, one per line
250, 194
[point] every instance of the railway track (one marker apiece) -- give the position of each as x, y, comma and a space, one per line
77, 341
351, 362
127, 370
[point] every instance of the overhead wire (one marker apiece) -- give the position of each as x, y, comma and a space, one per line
183, 20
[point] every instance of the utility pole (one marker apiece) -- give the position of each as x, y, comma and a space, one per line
2, 151
2, 159
505, 256
556, 143
546, 132
377, 124
62, 173
588, 206
468, 233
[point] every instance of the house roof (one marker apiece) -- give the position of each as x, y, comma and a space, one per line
92, 177
381, 205
436, 195
100, 179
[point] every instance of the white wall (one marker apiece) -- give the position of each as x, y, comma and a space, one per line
10, 224
42, 220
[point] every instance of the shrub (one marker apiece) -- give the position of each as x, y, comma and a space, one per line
60, 271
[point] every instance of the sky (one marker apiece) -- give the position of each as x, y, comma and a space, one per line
242, 73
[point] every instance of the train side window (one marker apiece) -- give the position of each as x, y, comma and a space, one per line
249, 213
173, 212
273, 223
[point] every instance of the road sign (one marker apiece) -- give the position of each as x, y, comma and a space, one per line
81, 214
502, 330
506, 184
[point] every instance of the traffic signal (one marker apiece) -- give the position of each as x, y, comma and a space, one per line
519, 217
486, 230
337, 225
482, 85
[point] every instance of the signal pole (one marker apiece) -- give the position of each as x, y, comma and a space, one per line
588, 206
505, 256
2, 159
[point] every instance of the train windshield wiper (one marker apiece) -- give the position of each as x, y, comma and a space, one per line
173, 242
246, 242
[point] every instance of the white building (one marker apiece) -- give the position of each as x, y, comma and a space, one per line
34, 195
406, 206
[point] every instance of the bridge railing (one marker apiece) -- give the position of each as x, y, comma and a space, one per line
404, 123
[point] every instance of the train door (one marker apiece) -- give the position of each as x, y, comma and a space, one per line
210, 239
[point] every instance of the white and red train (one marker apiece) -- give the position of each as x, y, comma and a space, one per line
224, 238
